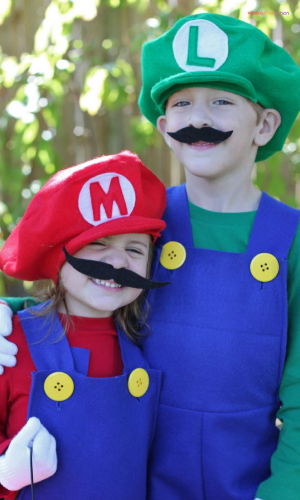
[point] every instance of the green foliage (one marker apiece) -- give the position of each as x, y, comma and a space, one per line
79, 77
5, 8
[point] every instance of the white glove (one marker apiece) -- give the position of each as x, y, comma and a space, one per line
5, 319
8, 350
15, 463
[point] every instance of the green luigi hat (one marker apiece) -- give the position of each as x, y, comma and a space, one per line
211, 50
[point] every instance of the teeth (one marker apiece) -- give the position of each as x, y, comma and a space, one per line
202, 143
106, 283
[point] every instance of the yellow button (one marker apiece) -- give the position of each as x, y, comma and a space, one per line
138, 382
173, 255
59, 386
264, 267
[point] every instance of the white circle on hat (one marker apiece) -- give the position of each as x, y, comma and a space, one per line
210, 50
106, 197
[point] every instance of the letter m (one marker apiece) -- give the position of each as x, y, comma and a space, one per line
100, 197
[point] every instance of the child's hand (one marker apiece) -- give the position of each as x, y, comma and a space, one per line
8, 350
15, 463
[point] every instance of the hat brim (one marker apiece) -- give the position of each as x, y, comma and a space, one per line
221, 80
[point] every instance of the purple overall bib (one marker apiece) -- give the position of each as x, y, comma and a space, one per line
219, 336
103, 433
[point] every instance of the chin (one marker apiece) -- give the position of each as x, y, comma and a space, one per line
205, 172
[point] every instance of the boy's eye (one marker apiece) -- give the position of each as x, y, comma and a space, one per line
179, 104
222, 102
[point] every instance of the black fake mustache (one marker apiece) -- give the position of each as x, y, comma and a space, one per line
103, 271
192, 134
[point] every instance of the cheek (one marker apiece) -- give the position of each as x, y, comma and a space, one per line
175, 120
70, 278
244, 137
178, 148
130, 296
177, 123
134, 294
139, 267
143, 271
64, 274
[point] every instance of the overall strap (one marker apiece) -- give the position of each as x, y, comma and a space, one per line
177, 218
132, 354
49, 347
274, 228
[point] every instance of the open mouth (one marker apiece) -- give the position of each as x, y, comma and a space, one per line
203, 143
107, 283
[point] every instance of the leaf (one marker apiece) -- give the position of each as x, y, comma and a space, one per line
30, 132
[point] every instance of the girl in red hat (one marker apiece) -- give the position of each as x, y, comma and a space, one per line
77, 413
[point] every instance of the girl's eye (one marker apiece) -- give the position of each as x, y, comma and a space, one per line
97, 243
135, 250
222, 102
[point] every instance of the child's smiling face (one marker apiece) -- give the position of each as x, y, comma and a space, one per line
100, 298
222, 110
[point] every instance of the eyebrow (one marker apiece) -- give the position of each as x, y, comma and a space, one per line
136, 242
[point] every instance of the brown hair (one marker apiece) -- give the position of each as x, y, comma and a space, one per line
131, 318
258, 108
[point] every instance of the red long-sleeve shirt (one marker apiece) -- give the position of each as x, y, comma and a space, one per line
99, 335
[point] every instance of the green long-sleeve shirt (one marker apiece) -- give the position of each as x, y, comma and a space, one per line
230, 232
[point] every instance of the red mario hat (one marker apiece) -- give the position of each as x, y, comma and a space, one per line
109, 195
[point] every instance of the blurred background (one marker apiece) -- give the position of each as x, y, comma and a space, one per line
69, 82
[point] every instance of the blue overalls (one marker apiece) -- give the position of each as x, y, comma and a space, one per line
103, 433
219, 336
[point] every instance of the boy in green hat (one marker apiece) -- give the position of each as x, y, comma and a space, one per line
224, 96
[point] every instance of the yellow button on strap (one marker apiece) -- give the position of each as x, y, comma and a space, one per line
59, 386
173, 255
264, 267
138, 382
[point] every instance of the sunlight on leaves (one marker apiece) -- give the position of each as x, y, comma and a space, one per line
5, 6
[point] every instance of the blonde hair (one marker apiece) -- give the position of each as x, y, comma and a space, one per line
258, 108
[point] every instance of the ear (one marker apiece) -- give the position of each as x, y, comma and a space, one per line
161, 124
269, 123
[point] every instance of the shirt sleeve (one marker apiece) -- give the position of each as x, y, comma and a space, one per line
18, 303
284, 482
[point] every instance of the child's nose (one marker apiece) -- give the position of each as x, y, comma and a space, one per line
200, 117
116, 258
